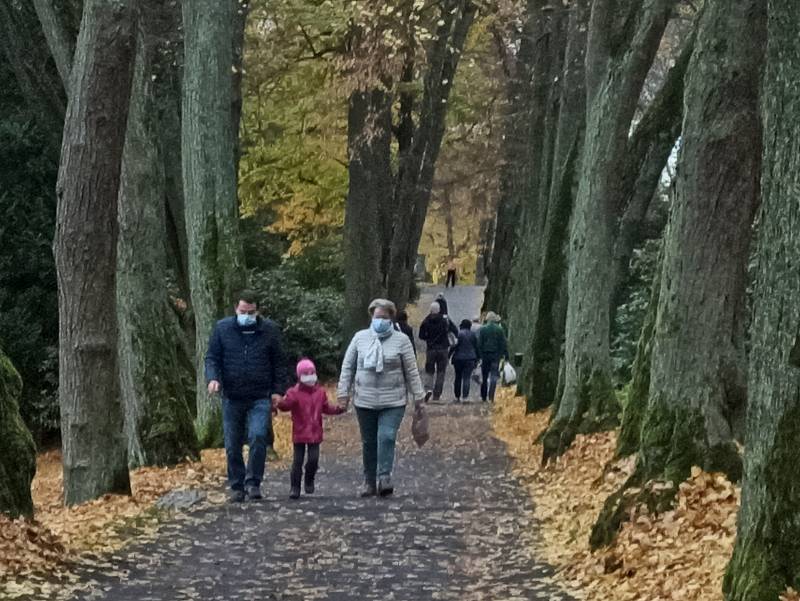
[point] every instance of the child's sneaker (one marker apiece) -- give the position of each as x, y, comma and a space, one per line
309, 485
295, 493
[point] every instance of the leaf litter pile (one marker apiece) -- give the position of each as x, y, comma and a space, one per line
677, 555
35, 553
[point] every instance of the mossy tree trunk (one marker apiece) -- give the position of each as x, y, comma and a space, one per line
17, 450
697, 372
624, 37
216, 266
539, 376
369, 126
516, 170
548, 33
766, 558
415, 181
158, 421
93, 438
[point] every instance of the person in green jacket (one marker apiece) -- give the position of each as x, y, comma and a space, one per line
492, 347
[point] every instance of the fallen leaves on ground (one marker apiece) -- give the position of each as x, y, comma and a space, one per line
677, 555
61, 535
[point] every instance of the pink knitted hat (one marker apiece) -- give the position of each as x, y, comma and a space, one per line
305, 366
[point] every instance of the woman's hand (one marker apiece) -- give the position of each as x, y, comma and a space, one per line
344, 401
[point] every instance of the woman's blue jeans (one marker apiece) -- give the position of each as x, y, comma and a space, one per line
378, 438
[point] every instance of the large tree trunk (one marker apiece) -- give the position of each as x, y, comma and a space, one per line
369, 148
766, 558
17, 451
416, 181
614, 82
158, 421
697, 381
60, 21
93, 439
216, 268
539, 376
515, 182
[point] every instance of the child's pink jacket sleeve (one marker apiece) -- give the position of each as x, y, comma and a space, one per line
288, 402
327, 407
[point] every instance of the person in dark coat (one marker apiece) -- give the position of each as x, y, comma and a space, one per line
492, 347
434, 330
245, 364
442, 304
402, 323
464, 357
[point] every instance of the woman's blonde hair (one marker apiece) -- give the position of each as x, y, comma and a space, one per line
382, 303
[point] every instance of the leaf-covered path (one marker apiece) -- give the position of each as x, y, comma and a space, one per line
458, 527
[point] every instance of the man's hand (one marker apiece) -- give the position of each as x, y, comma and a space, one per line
213, 387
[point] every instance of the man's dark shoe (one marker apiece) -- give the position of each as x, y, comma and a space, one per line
236, 496
385, 487
254, 493
309, 485
295, 493
368, 489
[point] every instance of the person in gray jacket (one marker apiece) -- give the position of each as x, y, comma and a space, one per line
380, 373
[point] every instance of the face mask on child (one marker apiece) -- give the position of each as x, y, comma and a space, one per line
308, 379
381, 325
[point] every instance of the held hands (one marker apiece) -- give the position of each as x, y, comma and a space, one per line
213, 387
344, 402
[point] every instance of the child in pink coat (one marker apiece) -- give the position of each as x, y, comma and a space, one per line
307, 401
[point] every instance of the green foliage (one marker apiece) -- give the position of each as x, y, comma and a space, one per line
311, 319
631, 314
28, 293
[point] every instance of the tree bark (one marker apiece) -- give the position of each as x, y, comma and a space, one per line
17, 450
216, 268
93, 439
60, 21
369, 148
158, 421
415, 185
766, 557
620, 50
697, 382
540, 370
515, 183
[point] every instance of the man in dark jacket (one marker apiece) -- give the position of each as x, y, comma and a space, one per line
434, 331
246, 365
402, 323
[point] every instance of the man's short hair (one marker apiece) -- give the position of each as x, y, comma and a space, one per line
248, 296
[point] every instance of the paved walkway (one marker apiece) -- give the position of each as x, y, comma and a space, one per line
458, 527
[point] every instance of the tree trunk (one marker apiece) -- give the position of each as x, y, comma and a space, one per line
415, 185
93, 439
614, 83
17, 450
369, 148
766, 558
60, 21
697, 383
517, 169
550, 39
158, 421
216, 268
540, 370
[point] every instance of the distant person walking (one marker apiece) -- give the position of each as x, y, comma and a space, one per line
435, 330
380, 372
451, 274
492, 347
402, 323
245, 363
465, 357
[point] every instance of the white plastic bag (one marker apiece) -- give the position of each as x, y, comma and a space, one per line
509, 375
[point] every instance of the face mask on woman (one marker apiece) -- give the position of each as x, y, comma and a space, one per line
381, 325
308, 379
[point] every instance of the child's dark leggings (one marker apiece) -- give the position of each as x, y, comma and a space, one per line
311, 464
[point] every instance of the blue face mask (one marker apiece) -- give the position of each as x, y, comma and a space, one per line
245, 320
381, 325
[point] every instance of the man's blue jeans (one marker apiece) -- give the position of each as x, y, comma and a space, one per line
245, 421
378, 437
